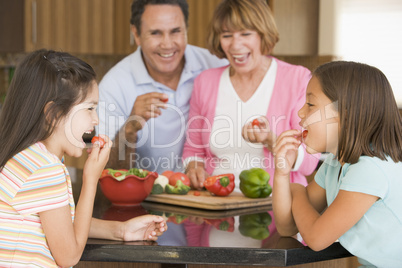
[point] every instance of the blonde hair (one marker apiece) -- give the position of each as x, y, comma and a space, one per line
241, 15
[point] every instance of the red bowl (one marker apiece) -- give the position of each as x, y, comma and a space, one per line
129, 192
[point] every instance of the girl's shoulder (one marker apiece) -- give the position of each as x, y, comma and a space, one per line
33, 158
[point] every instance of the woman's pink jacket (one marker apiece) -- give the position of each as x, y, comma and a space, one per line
288, 96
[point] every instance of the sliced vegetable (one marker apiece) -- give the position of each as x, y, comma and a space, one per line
159, 185
256, 122
178, 176
221, 185
179, 188
98, 140
168, 173
120, 174
254, 183
142, 173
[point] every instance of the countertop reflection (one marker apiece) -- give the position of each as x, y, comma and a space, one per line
195, 236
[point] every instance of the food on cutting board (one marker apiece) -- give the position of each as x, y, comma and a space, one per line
221, 185
254, 183
171, 182
178, 176
178, 188
160, 184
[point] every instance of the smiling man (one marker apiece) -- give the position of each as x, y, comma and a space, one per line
144, 99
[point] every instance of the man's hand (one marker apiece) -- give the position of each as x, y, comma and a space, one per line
148, 106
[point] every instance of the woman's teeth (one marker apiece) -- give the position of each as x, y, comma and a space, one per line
240, 58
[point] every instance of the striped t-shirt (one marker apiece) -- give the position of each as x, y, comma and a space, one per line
33, 181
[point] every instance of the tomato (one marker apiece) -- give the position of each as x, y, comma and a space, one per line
100, 140
256, 122
117, 174
197, 193
105, 172
165, 100
168, 173
179, 176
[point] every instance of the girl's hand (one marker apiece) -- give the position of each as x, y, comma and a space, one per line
146, 227
258, 131
285, 151
97, 158
195, 171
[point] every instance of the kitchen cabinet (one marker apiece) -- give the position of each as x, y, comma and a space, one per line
297, 23
75, 26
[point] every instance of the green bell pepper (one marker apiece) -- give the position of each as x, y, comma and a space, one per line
255, 225
254, 183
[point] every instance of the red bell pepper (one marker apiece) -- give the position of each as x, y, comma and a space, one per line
221, 185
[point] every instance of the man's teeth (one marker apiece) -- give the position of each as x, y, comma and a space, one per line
167, 55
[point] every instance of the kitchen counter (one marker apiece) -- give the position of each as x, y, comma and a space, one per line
244, 237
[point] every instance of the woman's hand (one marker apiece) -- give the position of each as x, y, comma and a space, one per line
285, 151
258, 131
195, 171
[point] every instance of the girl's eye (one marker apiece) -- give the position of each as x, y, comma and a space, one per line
92, 108
309, 104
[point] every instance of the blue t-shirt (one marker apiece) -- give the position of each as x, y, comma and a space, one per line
376, 238
160, 143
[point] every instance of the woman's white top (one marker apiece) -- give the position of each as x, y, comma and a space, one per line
226, 142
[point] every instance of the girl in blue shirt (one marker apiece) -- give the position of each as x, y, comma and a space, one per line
350, 112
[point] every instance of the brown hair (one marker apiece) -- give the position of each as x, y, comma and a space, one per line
243, 15
370, 122
138, 9
44, 78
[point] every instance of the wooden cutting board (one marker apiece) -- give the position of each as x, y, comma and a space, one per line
204, 213
205, 200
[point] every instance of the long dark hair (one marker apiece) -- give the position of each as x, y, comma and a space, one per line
370, 122
45, 86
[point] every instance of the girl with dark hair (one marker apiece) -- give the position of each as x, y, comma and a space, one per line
50, 104
351, 113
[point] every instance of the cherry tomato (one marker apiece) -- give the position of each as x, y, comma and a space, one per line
197, 193
100, 140
304, 134
168, 173
105, 172
256, 122
165, 100
117, 174
179, 176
